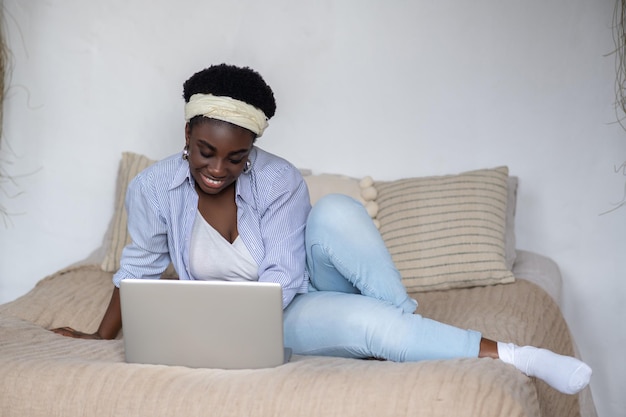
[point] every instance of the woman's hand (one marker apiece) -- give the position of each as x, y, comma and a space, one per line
69, 332
109, 327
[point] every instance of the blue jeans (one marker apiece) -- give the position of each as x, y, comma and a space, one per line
357, 306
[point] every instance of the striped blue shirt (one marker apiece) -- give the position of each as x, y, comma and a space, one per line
272, 208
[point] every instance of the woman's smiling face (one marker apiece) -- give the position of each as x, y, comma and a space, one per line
218, 152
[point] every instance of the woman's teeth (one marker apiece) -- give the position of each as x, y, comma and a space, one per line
210, 181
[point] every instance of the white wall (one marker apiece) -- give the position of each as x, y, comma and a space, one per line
385, 88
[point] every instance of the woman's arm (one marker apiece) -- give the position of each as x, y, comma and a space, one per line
109, 326
146, 257
282, 227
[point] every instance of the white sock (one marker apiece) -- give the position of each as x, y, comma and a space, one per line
563, 373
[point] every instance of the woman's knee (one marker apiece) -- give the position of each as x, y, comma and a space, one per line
336, 209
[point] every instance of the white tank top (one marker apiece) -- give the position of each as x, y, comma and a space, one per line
211, 257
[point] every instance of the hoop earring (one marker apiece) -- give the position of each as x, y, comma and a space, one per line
186, 153
248, 167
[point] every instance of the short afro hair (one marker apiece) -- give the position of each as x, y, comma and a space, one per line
241, 83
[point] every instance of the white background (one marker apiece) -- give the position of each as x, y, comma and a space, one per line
382, 88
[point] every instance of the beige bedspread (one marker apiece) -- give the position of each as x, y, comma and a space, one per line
43, 374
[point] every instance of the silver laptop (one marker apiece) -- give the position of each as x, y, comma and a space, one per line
203, 324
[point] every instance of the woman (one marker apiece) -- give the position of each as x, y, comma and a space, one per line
226, 209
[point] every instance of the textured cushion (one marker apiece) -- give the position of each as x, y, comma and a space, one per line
361, 190
448, 231
321, 184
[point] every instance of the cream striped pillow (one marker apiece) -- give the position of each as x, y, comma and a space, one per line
447, 232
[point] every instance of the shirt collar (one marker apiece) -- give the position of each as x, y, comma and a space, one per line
245, 182
182, 173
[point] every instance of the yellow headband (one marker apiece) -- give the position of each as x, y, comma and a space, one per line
226, 109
